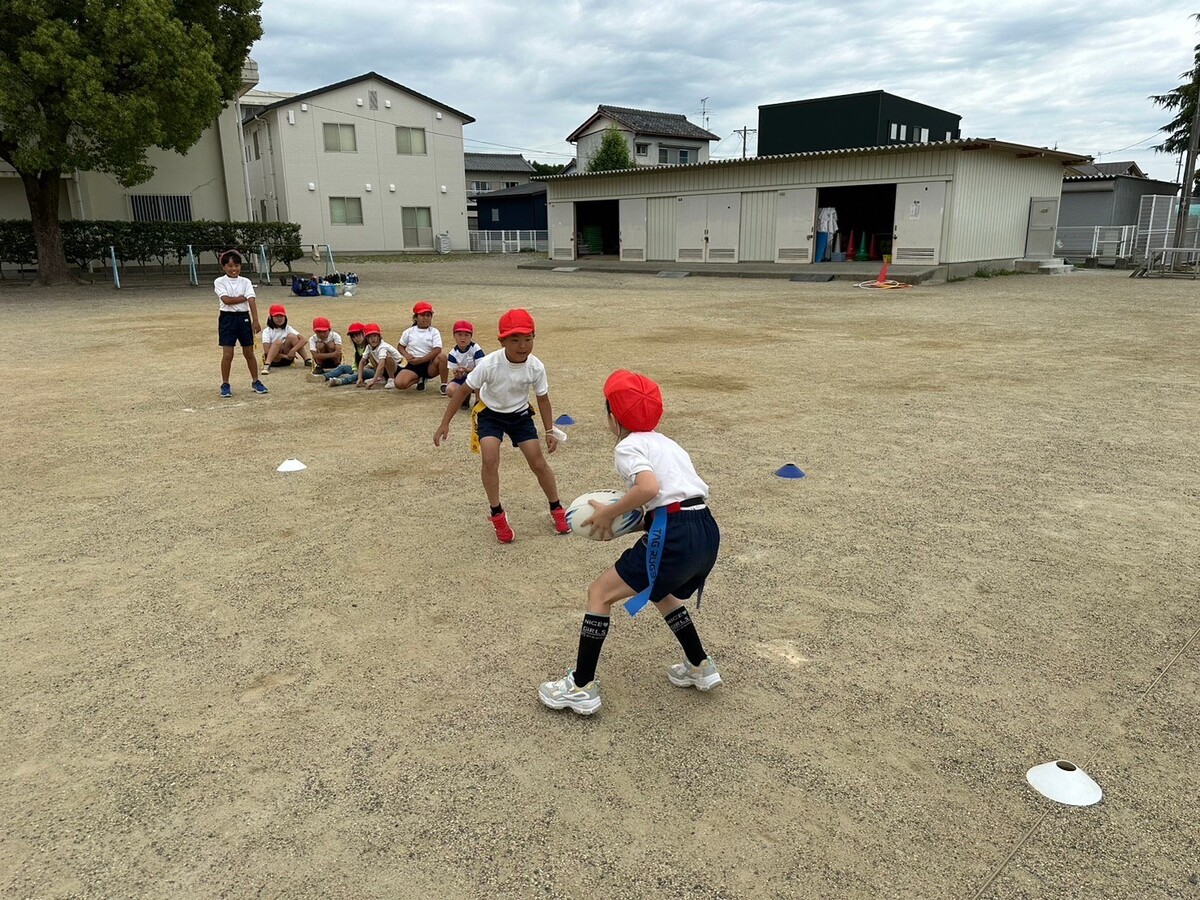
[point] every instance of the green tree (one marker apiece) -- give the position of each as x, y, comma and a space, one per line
91, 85
547, 168
613, 152
1181, 101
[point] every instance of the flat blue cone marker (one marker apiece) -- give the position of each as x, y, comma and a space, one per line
789, 471
564, 419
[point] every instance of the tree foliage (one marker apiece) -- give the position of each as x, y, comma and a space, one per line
93, 84
1181, 101
547, 168
613, 153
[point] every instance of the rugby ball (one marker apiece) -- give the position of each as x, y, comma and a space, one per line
579, 515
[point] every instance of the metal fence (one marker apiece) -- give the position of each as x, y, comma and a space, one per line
1156, 225
509, 241
1102, 242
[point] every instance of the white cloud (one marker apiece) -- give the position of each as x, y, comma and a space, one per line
1072, 73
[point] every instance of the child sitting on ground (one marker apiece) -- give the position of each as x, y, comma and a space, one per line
325, 346
385, 359
346, 373
421, 345
457, 363
281, 342
666, 566
503, 380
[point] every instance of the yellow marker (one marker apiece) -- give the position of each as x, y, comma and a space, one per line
475, 411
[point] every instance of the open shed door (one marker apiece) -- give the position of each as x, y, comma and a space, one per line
917, 232
562, 230
633, 229
1043, 228
795, 218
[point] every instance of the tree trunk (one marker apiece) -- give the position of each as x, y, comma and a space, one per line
42, 190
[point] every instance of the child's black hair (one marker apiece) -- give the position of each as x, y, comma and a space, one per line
228, 254
272, 324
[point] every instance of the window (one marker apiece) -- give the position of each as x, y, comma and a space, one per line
642, 149
373, 99
893, 132
923, 135
345, 210
509, 184
664, 155
262, 210
671, 155
160, 207
685, 157
340, 138
418, 227
904, 132
949, 135
481, 186
410, 141
495, 215
254, 141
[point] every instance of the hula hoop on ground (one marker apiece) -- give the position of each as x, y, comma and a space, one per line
882, 285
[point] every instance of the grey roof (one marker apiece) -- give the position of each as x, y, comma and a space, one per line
964, 144
645, 121
521, 190
366, 76
1109, 169
496, 162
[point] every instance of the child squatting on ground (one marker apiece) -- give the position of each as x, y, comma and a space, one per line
421, 347
346, 373
683, 536
324, 348
503, 380
238, 322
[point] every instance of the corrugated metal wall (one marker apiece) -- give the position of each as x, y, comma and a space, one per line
756, 242
660, 228
1085, 209
989, 207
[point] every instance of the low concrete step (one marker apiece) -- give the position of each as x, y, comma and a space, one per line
1044, 266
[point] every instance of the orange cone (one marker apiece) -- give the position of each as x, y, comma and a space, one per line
882, 275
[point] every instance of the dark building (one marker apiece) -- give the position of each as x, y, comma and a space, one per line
851, 121
520, 208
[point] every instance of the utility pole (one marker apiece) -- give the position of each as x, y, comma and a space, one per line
743, 131
1189, 171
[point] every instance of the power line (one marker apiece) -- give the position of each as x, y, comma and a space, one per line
1130, 146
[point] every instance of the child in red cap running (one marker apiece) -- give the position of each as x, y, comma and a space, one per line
666, 566
503, 380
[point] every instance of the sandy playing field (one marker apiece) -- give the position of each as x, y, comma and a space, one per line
220, 681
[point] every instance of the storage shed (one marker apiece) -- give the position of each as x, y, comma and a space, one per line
961, 203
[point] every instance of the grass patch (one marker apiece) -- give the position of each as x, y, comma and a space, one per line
985, 272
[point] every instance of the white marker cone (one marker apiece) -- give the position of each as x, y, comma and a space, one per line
291, 465
1064, 782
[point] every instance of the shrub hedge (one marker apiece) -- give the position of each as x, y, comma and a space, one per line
146, 242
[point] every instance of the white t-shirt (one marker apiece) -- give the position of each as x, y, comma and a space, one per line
464, 359
504, 386
271, 334
334, 337
420, 341
233, 287
649, 451
384, 351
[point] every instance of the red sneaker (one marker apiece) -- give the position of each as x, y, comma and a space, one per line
560, 520
504, 534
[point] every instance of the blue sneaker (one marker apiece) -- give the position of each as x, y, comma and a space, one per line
258, 387
226, 391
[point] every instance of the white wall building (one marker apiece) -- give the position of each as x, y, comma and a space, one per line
366, 164
654, 138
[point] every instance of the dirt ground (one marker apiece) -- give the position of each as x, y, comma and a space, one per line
220, 681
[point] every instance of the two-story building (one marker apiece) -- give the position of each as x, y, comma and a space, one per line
851, 121
654, 138
364, 165
487, 172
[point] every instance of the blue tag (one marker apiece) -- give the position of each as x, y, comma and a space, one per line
654, 547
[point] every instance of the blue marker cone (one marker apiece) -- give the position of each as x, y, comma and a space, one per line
564, 419
789, 471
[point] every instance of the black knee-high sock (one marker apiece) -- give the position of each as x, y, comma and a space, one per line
681, 624
591, 639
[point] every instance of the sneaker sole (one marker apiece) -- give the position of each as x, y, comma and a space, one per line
576, 706
705, 684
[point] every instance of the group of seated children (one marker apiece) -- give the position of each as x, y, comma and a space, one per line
418, 356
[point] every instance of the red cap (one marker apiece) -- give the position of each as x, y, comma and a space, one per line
354, 326
463, 325
277, 310
516, 321
422, 307
635, 400
320, 323
371, 328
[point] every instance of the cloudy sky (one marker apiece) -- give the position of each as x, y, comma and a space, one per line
1069, 73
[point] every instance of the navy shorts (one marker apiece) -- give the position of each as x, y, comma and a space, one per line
518, 426
234, 328
689, 554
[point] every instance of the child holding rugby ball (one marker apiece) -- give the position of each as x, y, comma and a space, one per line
680, 548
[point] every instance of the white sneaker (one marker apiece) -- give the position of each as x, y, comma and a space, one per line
444, 390
565, 694
389, 385
266, 370
703, 677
